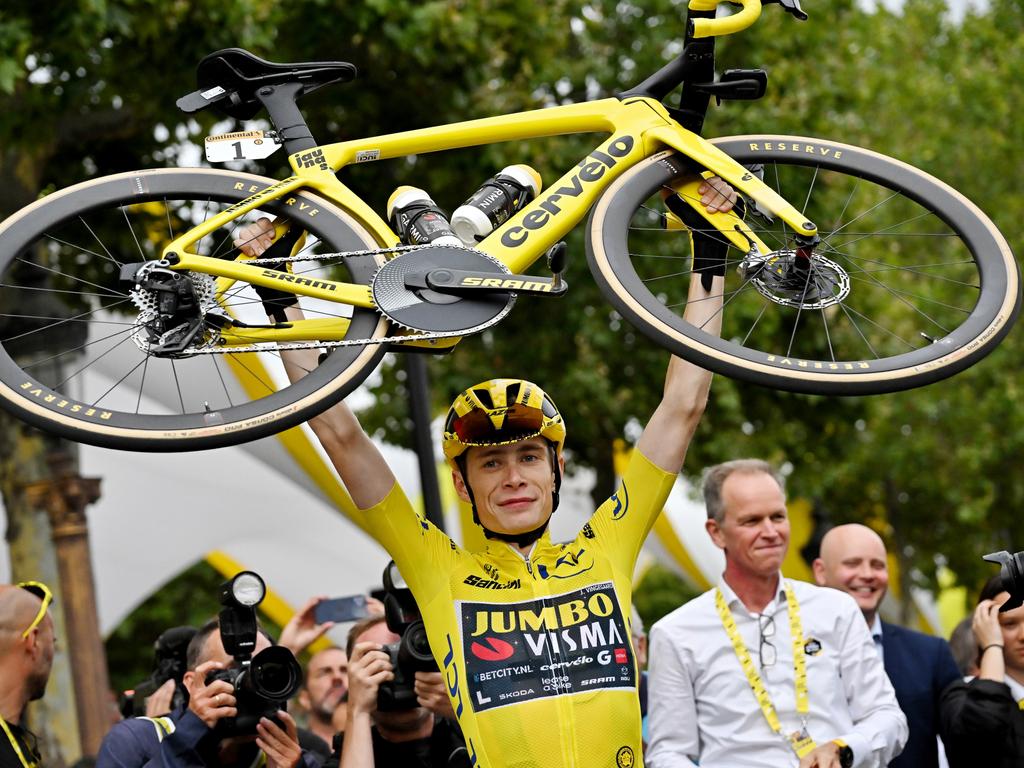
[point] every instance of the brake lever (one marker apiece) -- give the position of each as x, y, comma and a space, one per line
790, 6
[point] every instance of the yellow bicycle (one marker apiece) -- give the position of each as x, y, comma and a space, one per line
846, 272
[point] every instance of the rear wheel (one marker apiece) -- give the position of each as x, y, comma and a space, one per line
910, 284
75, 343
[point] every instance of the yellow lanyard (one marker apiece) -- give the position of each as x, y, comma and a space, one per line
14, 743
800, 741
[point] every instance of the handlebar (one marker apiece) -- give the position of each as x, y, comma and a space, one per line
737, 22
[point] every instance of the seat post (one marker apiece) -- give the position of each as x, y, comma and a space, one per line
279, 101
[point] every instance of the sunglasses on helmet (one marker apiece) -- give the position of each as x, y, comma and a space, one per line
520, 422
41, 591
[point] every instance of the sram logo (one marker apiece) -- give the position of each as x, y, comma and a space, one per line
591, 169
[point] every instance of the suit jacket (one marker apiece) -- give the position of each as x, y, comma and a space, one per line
919, 667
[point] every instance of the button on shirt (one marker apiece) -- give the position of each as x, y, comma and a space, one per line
703, 709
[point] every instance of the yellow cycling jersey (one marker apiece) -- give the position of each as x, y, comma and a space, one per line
535, 650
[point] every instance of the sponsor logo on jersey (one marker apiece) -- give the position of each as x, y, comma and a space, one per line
621, 501
492, 649
537, 648
572, 563
476, 581
624, 758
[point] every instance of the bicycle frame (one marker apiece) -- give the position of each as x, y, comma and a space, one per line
638, 127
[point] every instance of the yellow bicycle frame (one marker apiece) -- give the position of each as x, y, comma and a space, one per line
637, 128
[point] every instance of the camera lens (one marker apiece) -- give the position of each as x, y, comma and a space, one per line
414, 651
275, 674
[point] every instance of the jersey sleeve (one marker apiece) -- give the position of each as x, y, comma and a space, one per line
423, 553
625, 519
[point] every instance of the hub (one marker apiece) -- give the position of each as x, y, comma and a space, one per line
803, 282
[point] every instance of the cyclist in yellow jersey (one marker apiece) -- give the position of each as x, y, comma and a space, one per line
532, 637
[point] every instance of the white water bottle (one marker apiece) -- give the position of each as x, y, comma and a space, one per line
417, 220
495, 202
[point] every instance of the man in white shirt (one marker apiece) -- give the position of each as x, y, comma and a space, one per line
765, 671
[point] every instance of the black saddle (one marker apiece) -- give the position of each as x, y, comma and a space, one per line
229, 79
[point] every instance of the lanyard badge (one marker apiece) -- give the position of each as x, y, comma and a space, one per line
800, 741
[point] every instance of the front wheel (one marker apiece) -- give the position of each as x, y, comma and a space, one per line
76, 342
911, 282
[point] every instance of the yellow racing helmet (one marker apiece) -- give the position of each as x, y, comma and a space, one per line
498, 412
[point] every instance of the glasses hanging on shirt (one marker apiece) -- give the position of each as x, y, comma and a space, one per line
766, 653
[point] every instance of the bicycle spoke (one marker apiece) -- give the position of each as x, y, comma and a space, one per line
119, 294
90, 364
216, 367
142, 384
177, 385
109, 255
114, 385
60, 322
79, 348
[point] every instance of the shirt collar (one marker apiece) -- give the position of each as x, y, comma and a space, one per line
876, 627
1016, 689
732, 600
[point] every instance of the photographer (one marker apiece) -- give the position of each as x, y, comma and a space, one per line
195, 734
982, 719
415, 736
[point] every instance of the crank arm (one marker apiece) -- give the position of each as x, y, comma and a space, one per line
465, 282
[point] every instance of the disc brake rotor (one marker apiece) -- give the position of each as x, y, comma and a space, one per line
818, 284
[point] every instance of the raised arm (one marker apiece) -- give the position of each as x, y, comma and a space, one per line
669, 431
362, 468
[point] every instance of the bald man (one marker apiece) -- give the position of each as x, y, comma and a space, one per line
26, 656
853, 559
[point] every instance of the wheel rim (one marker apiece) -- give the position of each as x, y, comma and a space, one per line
90, 358
883, 247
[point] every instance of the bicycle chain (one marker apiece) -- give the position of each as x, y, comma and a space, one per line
279, 346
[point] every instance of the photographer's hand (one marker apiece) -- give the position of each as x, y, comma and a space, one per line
211, 702
280, 745
432, 694
159, 702
989, 635
301, 631
367, 669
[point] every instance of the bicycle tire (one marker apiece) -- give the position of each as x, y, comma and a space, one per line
74, 238
973, 300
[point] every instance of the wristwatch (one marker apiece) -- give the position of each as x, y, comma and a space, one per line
845, 754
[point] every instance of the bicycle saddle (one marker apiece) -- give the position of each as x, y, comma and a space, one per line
228, 80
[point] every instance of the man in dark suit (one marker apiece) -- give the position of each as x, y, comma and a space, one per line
853, 559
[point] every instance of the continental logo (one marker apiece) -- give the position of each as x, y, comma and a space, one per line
817, 150
548, 618
511, 283
290, 278
817, 365
70, 406
591, 169
476, 581
260, 192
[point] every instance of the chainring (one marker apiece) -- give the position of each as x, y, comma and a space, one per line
425, 310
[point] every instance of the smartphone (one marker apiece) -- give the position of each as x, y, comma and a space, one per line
341, 609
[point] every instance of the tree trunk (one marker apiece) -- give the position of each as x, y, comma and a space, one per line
29, 538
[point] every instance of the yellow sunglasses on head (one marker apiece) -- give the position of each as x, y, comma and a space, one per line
41, 591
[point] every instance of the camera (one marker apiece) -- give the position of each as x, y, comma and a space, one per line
169, 651
411, 654
1011, 569
263, 683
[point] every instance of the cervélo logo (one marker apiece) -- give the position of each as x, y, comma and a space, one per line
591, 169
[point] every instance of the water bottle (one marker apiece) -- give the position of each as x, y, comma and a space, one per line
495, 202
417, 220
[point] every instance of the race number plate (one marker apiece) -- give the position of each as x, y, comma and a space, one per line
244, 145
